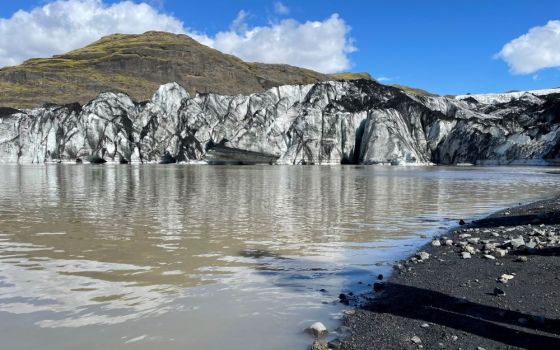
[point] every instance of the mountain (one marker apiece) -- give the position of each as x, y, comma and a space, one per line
357, 121
137, 65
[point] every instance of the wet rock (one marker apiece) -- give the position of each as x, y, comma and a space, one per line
465, 255
317, 329
79, 161
436, 243
462, 222
319, 345
377, 286
448, 242
380, 277
335, 344
344, 299
423, 255
490, 257
425, 325
416, 340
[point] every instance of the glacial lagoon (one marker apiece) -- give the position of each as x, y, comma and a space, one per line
210, 257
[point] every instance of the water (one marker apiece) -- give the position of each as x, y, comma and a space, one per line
209, 257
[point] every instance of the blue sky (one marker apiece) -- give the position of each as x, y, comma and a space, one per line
447, 47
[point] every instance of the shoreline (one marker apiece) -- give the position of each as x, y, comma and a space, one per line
478, 286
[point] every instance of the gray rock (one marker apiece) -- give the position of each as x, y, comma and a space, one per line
423, 255
416, 340
317, 329
436, 243
465, 255
488, 256
500, 253
515, 243
521, 259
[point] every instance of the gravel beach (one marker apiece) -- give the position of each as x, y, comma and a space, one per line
490, 284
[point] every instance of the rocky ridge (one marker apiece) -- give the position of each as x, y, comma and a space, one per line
332, 122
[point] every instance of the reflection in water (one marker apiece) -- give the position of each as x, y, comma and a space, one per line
220, 250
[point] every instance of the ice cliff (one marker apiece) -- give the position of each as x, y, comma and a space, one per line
333, 122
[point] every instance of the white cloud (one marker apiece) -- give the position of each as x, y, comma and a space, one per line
64, 25
61, 26
281, 9
538, 49
319, 45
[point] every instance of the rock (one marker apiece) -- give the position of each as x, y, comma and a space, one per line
495, 234
319, 345
473, 240
448, 242
454, 337
436, 243
464, 235
343, 298
416, 340
377, 286
335, 344
462, 222
423, 255
490, 246
470, 249
465, 255
317, 329
521, 259
517, 242
380, 277
425, 325
351, 312
499, 292
500, 253
505, 278
488, 256
531, 244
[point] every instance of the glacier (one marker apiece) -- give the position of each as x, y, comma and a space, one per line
334, 122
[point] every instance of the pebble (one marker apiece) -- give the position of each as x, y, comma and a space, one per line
423, 255
416, 340
491, 257
470, 249
495, 234
465, 255
317, 329
436, 243
454, 337
505, 278
464, 235
473, 240
499, 292
449, 242
425, 325
521, 259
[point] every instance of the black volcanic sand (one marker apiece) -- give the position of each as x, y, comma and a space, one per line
447, 302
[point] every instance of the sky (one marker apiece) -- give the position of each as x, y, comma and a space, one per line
443, 46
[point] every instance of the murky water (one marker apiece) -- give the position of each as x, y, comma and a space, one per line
203, 257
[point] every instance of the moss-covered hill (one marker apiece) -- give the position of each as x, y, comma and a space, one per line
137, 65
